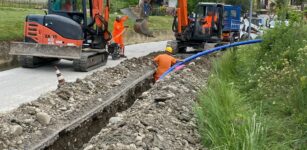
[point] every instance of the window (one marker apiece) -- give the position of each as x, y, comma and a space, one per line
66, 5
233, 13
225, 14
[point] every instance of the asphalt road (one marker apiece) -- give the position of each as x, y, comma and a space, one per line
20, 85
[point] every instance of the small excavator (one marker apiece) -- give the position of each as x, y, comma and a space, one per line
209, 23
75, 30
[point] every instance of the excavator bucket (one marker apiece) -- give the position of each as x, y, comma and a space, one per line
42, 50
141, 27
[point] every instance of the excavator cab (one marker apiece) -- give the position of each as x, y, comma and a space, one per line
208, 22
204, 25
72, 9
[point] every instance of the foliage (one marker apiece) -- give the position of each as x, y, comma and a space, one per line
224, 121
243, 3
295, 16
281, 3
270, 80
116, 5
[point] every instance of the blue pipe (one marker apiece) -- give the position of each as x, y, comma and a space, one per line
206, 52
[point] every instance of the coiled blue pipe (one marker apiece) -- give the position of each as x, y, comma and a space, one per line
206, 52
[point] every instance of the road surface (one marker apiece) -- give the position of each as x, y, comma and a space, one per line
20, 85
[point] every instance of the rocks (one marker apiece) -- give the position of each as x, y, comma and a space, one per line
63, 108
161, 103
145, 94
162, 118
192, 63
170, 87
89, 147
115, 120
138, 138
170, 95
117, 83
148, 124
64, 94
16, 130
43, 118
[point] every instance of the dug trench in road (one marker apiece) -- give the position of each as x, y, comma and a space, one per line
36, 124
71, 115
162, 118
22, 85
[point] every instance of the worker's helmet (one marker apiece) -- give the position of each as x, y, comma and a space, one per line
169, 49
118, 18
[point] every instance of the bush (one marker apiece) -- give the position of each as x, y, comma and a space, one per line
267, 79
224, 121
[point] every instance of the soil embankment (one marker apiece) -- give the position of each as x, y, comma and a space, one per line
83, 113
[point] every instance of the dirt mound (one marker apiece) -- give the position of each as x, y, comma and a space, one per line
34, 121
162, 118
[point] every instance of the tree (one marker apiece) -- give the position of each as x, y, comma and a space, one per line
243, 3
280, 4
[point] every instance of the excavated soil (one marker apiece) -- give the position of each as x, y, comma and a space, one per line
26, 126
162, 118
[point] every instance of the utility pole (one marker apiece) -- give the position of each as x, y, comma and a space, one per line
250, 19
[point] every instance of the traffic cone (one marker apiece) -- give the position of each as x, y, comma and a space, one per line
61, 80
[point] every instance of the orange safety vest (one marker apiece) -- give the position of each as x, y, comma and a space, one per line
208, 21
118, 28
164, 62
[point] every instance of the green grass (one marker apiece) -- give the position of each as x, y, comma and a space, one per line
11, 26
12, 21
257, 95
225, 121
160, 22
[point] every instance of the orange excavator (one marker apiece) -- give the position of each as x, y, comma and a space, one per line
209, 23
75, 30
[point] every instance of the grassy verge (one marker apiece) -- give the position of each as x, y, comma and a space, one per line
12, 21
257, 95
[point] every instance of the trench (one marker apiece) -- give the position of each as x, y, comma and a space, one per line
81, 130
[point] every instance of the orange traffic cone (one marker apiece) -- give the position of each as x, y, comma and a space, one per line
61, 80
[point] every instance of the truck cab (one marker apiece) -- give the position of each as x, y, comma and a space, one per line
231, 24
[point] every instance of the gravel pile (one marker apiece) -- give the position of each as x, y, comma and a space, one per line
162, 118
34, 121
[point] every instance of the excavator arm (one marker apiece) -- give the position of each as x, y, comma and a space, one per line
100, 14
100, 11
182, 15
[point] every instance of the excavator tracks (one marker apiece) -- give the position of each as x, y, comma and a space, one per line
90, 60
33, 62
